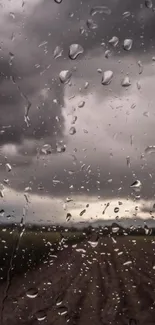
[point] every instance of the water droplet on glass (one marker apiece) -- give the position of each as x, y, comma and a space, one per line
107, 54
136, 184
41, 315
46, 149
75, 50
58, 52
107, 77
126, 14
126, 82
128, 161
150, 149
93, 244
138, 85
86, 85
61, 147
100, 10
32, 293
82, 212
99, 70
72, 130
2, 212
127, 263
12, 15
140, 67
65, 76
8, 167
81, 104
148, 4
11, 57
58, 1
114, 41
74, 119
68, 217
91, 24
62, 311
127, 45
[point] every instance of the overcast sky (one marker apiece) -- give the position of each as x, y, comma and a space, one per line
114, 125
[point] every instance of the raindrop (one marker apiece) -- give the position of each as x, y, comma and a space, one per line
41, 315
100, 10
68, 217
58, 1
61, 147
28, 189
126, 14
46, 149
127, 263
57, 52
138, 85
150, 149
12, 15
62, 311
81, 104
74, 119
65, 76
99, 70
72, 130
107, 54
2, 212
114, 41
126, 82
8, 167
11, 57
82, 212
1, 190
127, 45
75, 50
116, 210
148, 4
32, 293
128, 161
91, 24
140, 67
93, 244
136, 184
86, 85
107, 77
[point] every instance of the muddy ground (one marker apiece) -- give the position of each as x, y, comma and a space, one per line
113, 283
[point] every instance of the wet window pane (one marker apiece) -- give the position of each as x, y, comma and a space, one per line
77, 150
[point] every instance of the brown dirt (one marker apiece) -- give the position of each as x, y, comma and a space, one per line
95, 287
